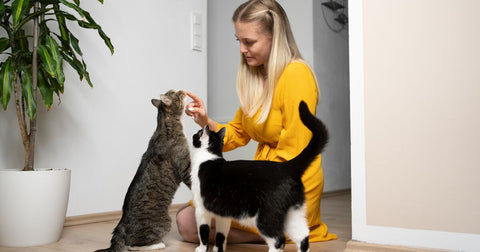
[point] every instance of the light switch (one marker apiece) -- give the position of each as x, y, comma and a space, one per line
196, 34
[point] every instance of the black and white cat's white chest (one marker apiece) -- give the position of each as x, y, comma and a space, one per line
198, 157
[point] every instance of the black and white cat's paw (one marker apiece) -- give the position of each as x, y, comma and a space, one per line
201, 248
219, 249
220, 241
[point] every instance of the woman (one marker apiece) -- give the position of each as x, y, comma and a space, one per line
272, 80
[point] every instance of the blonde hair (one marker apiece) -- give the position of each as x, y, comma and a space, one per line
274, 22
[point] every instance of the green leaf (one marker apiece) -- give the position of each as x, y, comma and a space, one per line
76, 64
86, 74
61, 23
106, 39
74, 7
77, 2
21, 41
52, 45
101, 1
89, 18
87, 25
46, 2
68, 16
6, 78
30, 103
74, 42
90, 24
19, 8
102, 34
2, 10
80, 67
57, 88
47, 60
45, 90
4, 44
24, 20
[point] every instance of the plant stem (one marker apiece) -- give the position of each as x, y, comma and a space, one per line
33, 123
20, 113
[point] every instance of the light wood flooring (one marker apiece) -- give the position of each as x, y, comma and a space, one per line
336, 213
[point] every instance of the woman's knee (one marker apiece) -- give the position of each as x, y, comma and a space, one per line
187, 227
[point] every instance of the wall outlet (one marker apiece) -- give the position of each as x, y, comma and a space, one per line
196, 33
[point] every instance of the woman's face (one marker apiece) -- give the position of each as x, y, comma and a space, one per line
255, 45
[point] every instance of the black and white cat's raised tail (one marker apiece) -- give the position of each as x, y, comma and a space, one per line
265, 194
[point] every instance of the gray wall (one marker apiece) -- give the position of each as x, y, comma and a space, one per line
326, 51
223, 58
331, 67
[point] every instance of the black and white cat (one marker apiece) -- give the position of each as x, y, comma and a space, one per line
265, 194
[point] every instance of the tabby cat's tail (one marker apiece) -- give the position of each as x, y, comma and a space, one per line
317, 143
118, 240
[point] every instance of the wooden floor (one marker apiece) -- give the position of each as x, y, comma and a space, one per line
336, 214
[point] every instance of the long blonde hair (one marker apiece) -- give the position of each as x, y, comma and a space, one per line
250, 88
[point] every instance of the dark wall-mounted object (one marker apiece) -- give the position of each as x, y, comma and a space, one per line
337, 8
332, 5
342, 19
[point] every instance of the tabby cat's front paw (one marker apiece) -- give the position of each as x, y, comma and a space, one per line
201, 248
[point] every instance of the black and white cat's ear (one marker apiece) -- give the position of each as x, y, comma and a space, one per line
166, 100
156, 102
221, 132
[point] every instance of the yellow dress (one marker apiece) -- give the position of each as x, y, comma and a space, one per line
283, 136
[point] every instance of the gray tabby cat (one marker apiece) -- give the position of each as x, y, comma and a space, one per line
165, 164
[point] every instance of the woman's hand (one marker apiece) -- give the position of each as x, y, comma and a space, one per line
197, 110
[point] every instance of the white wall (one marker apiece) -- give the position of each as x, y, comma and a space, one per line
100, 133
414, 113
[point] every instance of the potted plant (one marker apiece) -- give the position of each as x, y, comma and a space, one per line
34, 44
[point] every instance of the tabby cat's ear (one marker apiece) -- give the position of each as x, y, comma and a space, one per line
166, 100
156, 102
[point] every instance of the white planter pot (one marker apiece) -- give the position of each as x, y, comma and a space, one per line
33, 206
